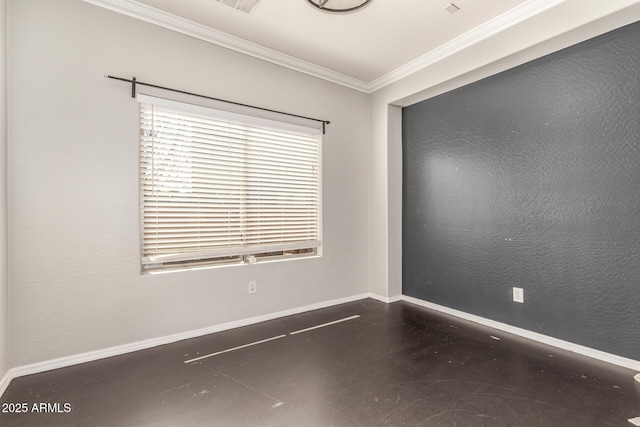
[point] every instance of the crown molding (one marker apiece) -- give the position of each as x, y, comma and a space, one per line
494, 26
185, 26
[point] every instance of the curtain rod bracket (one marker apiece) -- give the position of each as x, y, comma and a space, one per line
133, 87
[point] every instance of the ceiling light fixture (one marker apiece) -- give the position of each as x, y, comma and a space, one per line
338, 6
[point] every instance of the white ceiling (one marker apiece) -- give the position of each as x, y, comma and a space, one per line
363, 45
366, 50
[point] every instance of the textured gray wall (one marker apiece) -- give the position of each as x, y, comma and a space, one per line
531, 178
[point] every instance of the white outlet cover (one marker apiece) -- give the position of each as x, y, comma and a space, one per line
518, 295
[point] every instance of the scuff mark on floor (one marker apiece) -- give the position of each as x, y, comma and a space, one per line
176, 388
245, 385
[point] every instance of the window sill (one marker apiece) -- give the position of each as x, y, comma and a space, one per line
269, 260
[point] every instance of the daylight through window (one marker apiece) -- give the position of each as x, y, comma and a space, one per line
219, 187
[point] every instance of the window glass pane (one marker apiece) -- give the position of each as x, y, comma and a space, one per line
217, 189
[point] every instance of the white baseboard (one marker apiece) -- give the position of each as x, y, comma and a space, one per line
387, 300
76, 359
154, 342
534, 336
4, 383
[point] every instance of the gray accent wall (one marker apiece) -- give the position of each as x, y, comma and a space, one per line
531, 178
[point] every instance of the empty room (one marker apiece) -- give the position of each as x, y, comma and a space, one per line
320, 213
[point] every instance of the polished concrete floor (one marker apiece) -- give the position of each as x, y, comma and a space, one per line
395, 365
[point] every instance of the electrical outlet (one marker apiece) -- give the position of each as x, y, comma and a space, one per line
253, 287
518, 295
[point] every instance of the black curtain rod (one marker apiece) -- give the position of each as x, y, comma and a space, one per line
135, 82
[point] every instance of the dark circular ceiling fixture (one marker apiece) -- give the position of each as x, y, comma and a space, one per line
338, 6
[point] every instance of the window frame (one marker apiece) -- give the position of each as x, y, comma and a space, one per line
244, 256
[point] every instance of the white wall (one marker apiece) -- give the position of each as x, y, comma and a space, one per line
4, 303
73, 200
73, 184
568, 23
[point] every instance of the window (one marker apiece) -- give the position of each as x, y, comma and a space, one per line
220, 187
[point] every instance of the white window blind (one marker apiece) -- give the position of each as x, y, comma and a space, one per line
217, 185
